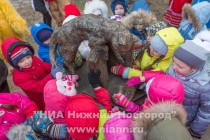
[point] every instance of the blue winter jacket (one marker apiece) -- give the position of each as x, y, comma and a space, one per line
43, 50
202, 12
196, 99
140, 4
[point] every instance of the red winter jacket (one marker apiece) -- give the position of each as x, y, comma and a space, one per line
32, 80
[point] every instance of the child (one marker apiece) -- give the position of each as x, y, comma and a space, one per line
30, 73
84, 105
173, 14
137, 22
58, 91
97, 7
190, 68
194, 20
119, 9
15, 109
156, 90
3, 77
41, 33
158, 57
40, 6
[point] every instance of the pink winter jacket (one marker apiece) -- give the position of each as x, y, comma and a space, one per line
25, 109
55, 102
161, 88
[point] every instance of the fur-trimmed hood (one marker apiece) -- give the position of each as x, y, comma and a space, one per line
160, 121
141, 16
199, 14
94, 5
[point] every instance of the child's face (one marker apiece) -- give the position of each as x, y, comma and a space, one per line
153, 53
181, 68
47, 41
138, 27
119, 10
25, 62
149, 38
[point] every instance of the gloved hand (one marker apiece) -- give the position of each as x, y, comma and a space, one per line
151, 74
135, 66
94, 78
39, 122
117, 70
135, 80
194, 134
121, 100
58, 131
56, 67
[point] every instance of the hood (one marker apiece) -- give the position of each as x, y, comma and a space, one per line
112, 2
9, 45
172, 121
141, 16
36, 28
172, 38
199, 13
94, 5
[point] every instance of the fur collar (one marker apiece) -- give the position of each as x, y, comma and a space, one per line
141, 16
146, 122
188, 11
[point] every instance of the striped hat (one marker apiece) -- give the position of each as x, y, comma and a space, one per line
18, 53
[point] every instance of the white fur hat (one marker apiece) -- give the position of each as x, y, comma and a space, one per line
97, 7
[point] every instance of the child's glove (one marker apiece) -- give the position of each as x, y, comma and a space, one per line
58, 131
121, 100
56, 67
135, 80
94, 78
117, 70
135, 66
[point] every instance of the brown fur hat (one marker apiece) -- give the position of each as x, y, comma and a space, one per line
141, 16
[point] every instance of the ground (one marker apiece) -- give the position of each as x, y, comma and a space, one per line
158, 7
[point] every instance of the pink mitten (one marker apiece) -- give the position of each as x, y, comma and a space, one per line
121, 99
151, 74
118, 70
135, 80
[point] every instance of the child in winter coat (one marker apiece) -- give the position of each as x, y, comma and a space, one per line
41, 33
157, 58
119, 9
137, 22
194, 20
173, 14
84, 113
58, 92
30, 73
14, 109
191, 67
3, 77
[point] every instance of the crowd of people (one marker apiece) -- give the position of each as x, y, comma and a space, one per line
170, 63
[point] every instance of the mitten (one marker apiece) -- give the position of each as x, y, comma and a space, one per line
151, 74
58, 131
118, 70
135, 80
121, 100
93, 78
56, 67
135, 66
193, 134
